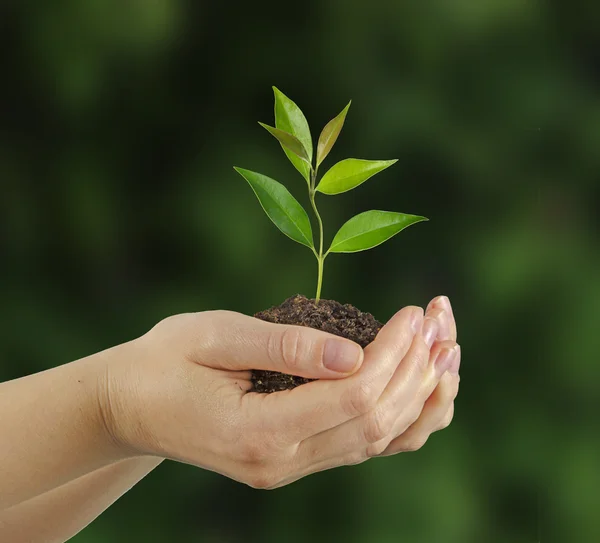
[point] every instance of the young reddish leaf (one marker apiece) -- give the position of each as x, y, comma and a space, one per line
350, 173
370, 229
280, 206
289, 117
288, 141
330, 134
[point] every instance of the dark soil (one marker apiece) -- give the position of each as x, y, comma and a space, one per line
343, 320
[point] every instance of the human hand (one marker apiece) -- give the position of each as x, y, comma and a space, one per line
181, 391
438, 410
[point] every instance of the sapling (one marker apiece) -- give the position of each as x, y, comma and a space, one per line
364, 231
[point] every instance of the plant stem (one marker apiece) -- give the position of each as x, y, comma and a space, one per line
320, 278
320, 256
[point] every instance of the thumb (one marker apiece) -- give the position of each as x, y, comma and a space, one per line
244, 343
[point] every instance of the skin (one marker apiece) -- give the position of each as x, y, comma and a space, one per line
77, 437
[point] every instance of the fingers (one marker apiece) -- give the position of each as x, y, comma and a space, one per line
408, 395
443, 303
241, 342
436, 415
320, 405
400, 405
441, 317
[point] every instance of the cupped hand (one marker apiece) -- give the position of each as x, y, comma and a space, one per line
181, 391
438, 410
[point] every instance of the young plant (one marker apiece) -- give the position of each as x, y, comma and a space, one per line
364, 231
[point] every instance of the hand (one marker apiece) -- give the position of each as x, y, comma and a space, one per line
182, 393
438, 410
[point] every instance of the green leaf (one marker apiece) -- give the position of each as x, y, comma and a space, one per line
330, 134
289, 117
350, 173
281, 207
288, 141
370, 229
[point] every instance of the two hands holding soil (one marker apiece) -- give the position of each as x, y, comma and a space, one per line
76, 437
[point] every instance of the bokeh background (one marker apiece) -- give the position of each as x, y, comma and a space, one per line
120, 123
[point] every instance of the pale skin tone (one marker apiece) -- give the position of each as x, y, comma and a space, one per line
76, 437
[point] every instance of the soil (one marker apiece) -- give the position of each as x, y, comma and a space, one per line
343, 320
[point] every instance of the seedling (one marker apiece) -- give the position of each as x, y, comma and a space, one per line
364, 231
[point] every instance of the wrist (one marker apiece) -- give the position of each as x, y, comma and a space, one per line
116, 399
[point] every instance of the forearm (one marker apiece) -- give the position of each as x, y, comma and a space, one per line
52, 429
59, 514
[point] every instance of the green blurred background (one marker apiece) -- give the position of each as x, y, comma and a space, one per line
120, 123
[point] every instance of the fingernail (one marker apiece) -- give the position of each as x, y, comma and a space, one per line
444, 323
455, 365
417, 319
444, 302
430, 330
444, 359
341, 356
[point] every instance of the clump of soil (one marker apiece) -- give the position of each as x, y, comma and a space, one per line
343, 320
